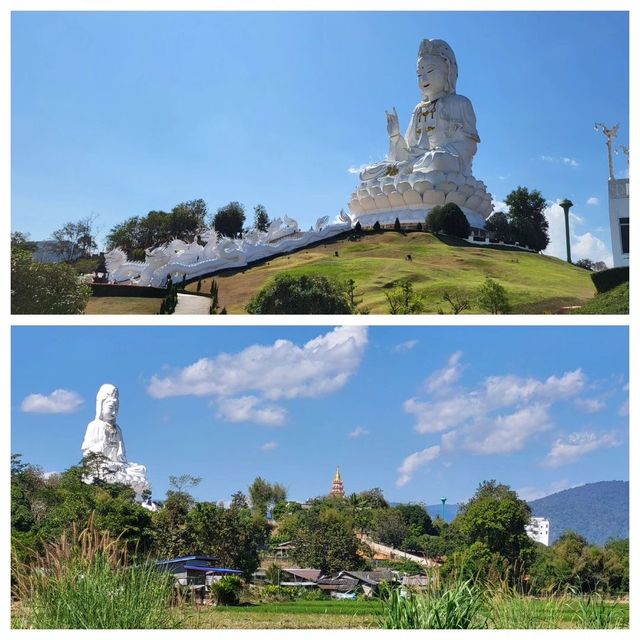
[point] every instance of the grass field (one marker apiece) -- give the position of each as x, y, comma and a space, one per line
534, 283
532, 613
614, 301
122, 305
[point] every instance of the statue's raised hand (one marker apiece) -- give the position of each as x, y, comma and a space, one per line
393, 126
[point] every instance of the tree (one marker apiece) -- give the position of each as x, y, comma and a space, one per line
448, 219
265, 495
459, 301
213, 307
496, 517
492, 297
396, 225
229, 220
305, 294
527, 219
325, 539
260, 217
21, 241
585, 263
45, 288
417, 519
403, 300
390, 528
75, 239
187, 219
499, 228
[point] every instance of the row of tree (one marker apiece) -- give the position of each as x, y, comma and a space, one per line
486, 539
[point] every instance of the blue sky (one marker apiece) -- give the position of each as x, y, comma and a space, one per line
419, 411
116, 114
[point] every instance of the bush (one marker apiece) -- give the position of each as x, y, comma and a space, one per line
376, 226
396, 225
227, 590
448, 219
492, 297
45, 288
275, 593
301, 295
403, 300
610, 278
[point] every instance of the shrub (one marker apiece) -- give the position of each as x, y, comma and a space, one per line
227, 590
376, 226
610, 278
276, 593
448, 219
403, 300
492, 297
301, 295
396, 225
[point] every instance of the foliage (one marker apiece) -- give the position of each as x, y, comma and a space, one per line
496, 517
325, 539
229, 220
304, 294
74, 239
21, 241
585, 263
265, 495
610, 278
499, 228
185, 221
396, 225
86, 581
261, 217
458, 605
402, 300
45, 288
457, 300
227, 590
448, 219
526, 217
390, 527
376, 226
234, 536
492, 297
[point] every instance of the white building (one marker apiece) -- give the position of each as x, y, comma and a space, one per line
538, 530
619, 220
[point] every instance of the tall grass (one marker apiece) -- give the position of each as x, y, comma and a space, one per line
85, 581
456, 605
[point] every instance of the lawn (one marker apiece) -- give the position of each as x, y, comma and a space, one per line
614, 301
534, 283
100, 305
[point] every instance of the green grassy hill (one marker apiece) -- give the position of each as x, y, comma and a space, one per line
534, 283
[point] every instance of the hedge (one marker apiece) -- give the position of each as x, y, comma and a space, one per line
610, 278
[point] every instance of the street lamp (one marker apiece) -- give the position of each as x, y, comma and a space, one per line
566, 204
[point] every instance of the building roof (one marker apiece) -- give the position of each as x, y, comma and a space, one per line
199, 567
305, 574
342, 585
370, 577
186, 559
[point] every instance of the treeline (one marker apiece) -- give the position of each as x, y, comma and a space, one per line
487, 539
186, 221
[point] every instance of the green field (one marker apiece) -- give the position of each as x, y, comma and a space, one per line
365, 614
99, 305
614, 301
534, 283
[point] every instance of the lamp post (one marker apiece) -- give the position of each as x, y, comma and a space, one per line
566, 204
443, 500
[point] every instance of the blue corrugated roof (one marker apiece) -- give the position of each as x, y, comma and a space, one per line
185, 558
199, 567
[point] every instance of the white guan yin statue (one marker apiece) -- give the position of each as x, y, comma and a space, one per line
103, 436
431, 163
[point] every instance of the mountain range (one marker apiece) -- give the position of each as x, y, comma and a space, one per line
598, 511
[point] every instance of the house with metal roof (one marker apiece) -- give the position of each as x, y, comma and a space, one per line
195, 570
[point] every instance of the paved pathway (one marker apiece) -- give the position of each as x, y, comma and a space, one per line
190, 305
394, 554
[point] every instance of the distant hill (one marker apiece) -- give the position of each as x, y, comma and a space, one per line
450, 511
598, 511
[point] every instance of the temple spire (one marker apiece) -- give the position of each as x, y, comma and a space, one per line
337, 488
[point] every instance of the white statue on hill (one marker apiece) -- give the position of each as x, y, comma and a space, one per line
104, 437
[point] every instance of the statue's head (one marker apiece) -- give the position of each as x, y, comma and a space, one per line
107, 403
437, 69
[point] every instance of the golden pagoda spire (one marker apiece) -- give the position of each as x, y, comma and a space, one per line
337, 487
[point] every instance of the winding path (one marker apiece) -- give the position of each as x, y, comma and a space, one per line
192, 305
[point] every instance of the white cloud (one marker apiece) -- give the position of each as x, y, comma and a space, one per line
414, 461
283, 370
532, 493
405, 347
570, 449
357, 170
247, 409
59, 401
590, 405
499, 205
358, 432
444, 378
495, 393
583, 245
269, 446
593, 201
570, 162
623, 409
507, 433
